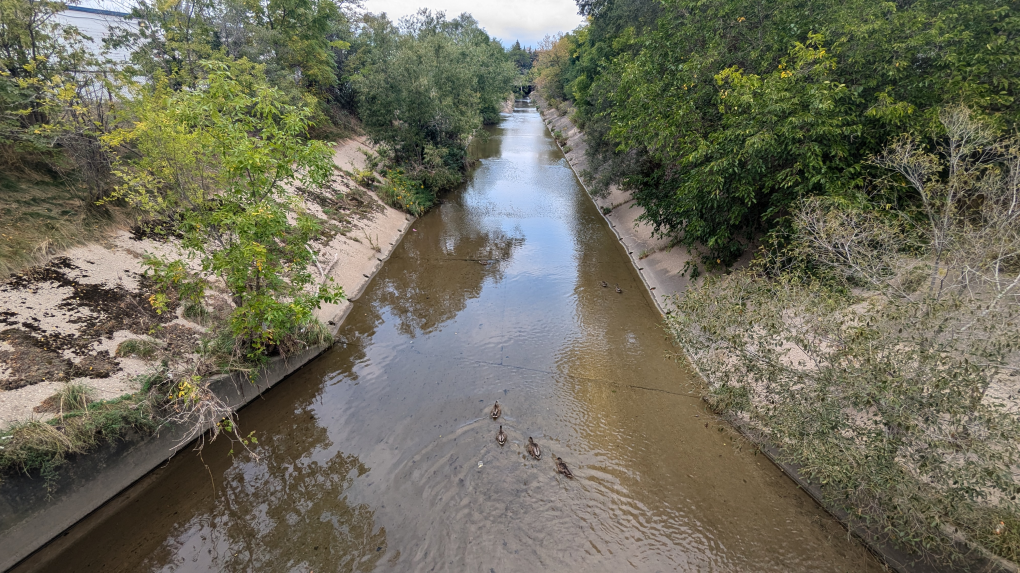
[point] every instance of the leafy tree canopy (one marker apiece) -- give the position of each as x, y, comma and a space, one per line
720, 114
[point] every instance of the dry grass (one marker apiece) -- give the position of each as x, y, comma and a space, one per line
40, 216
40, 448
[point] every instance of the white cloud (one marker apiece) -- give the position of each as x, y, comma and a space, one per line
525, 20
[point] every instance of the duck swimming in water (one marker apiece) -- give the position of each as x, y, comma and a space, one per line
501, 436
534, 450
604, 284
619, 290
561, 467
496, 410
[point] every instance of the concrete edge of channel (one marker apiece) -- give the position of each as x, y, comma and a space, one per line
33, 516
893, 557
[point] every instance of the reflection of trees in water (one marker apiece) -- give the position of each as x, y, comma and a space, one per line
602, 353
296, 518
441, 269
487, 143
353, 340
284, 512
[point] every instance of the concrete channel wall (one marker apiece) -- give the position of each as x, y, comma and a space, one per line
32, 514
661, 269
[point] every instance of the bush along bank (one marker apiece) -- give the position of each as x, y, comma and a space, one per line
866, 154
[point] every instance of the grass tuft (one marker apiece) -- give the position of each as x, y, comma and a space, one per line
196, 312
40, 448
140, 347
76, 396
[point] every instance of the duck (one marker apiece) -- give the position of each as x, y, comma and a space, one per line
604, 284
618, 289
496, 410
501, 436
561, 467
534, 450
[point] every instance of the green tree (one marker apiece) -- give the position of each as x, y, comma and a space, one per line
643, 76
779, 137
220, 158
521, 58
173, 38
36, 53
298, 41
299, 37
425, 89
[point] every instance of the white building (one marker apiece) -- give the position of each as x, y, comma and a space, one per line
97, 23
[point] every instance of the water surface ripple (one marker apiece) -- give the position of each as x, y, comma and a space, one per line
379, 456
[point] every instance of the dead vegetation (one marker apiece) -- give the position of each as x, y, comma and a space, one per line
41, 349
39, 217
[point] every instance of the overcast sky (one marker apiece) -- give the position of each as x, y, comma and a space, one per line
525, 20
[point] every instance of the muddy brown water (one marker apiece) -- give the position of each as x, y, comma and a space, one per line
380, 455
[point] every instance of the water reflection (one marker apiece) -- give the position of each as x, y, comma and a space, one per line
445, 267
275, 518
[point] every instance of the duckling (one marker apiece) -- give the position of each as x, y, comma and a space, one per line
561, 467
501, 436
534, 450
618, 289
604, 284
496, 410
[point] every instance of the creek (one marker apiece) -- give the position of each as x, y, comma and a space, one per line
380, 455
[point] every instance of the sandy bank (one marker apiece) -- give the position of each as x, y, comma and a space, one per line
65, 320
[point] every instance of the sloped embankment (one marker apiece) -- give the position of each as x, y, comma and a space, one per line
85, 318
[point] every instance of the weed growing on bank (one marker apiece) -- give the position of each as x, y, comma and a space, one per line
406, 194
41, 448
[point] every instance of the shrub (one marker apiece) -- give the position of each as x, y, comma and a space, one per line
220, 157
407, 194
